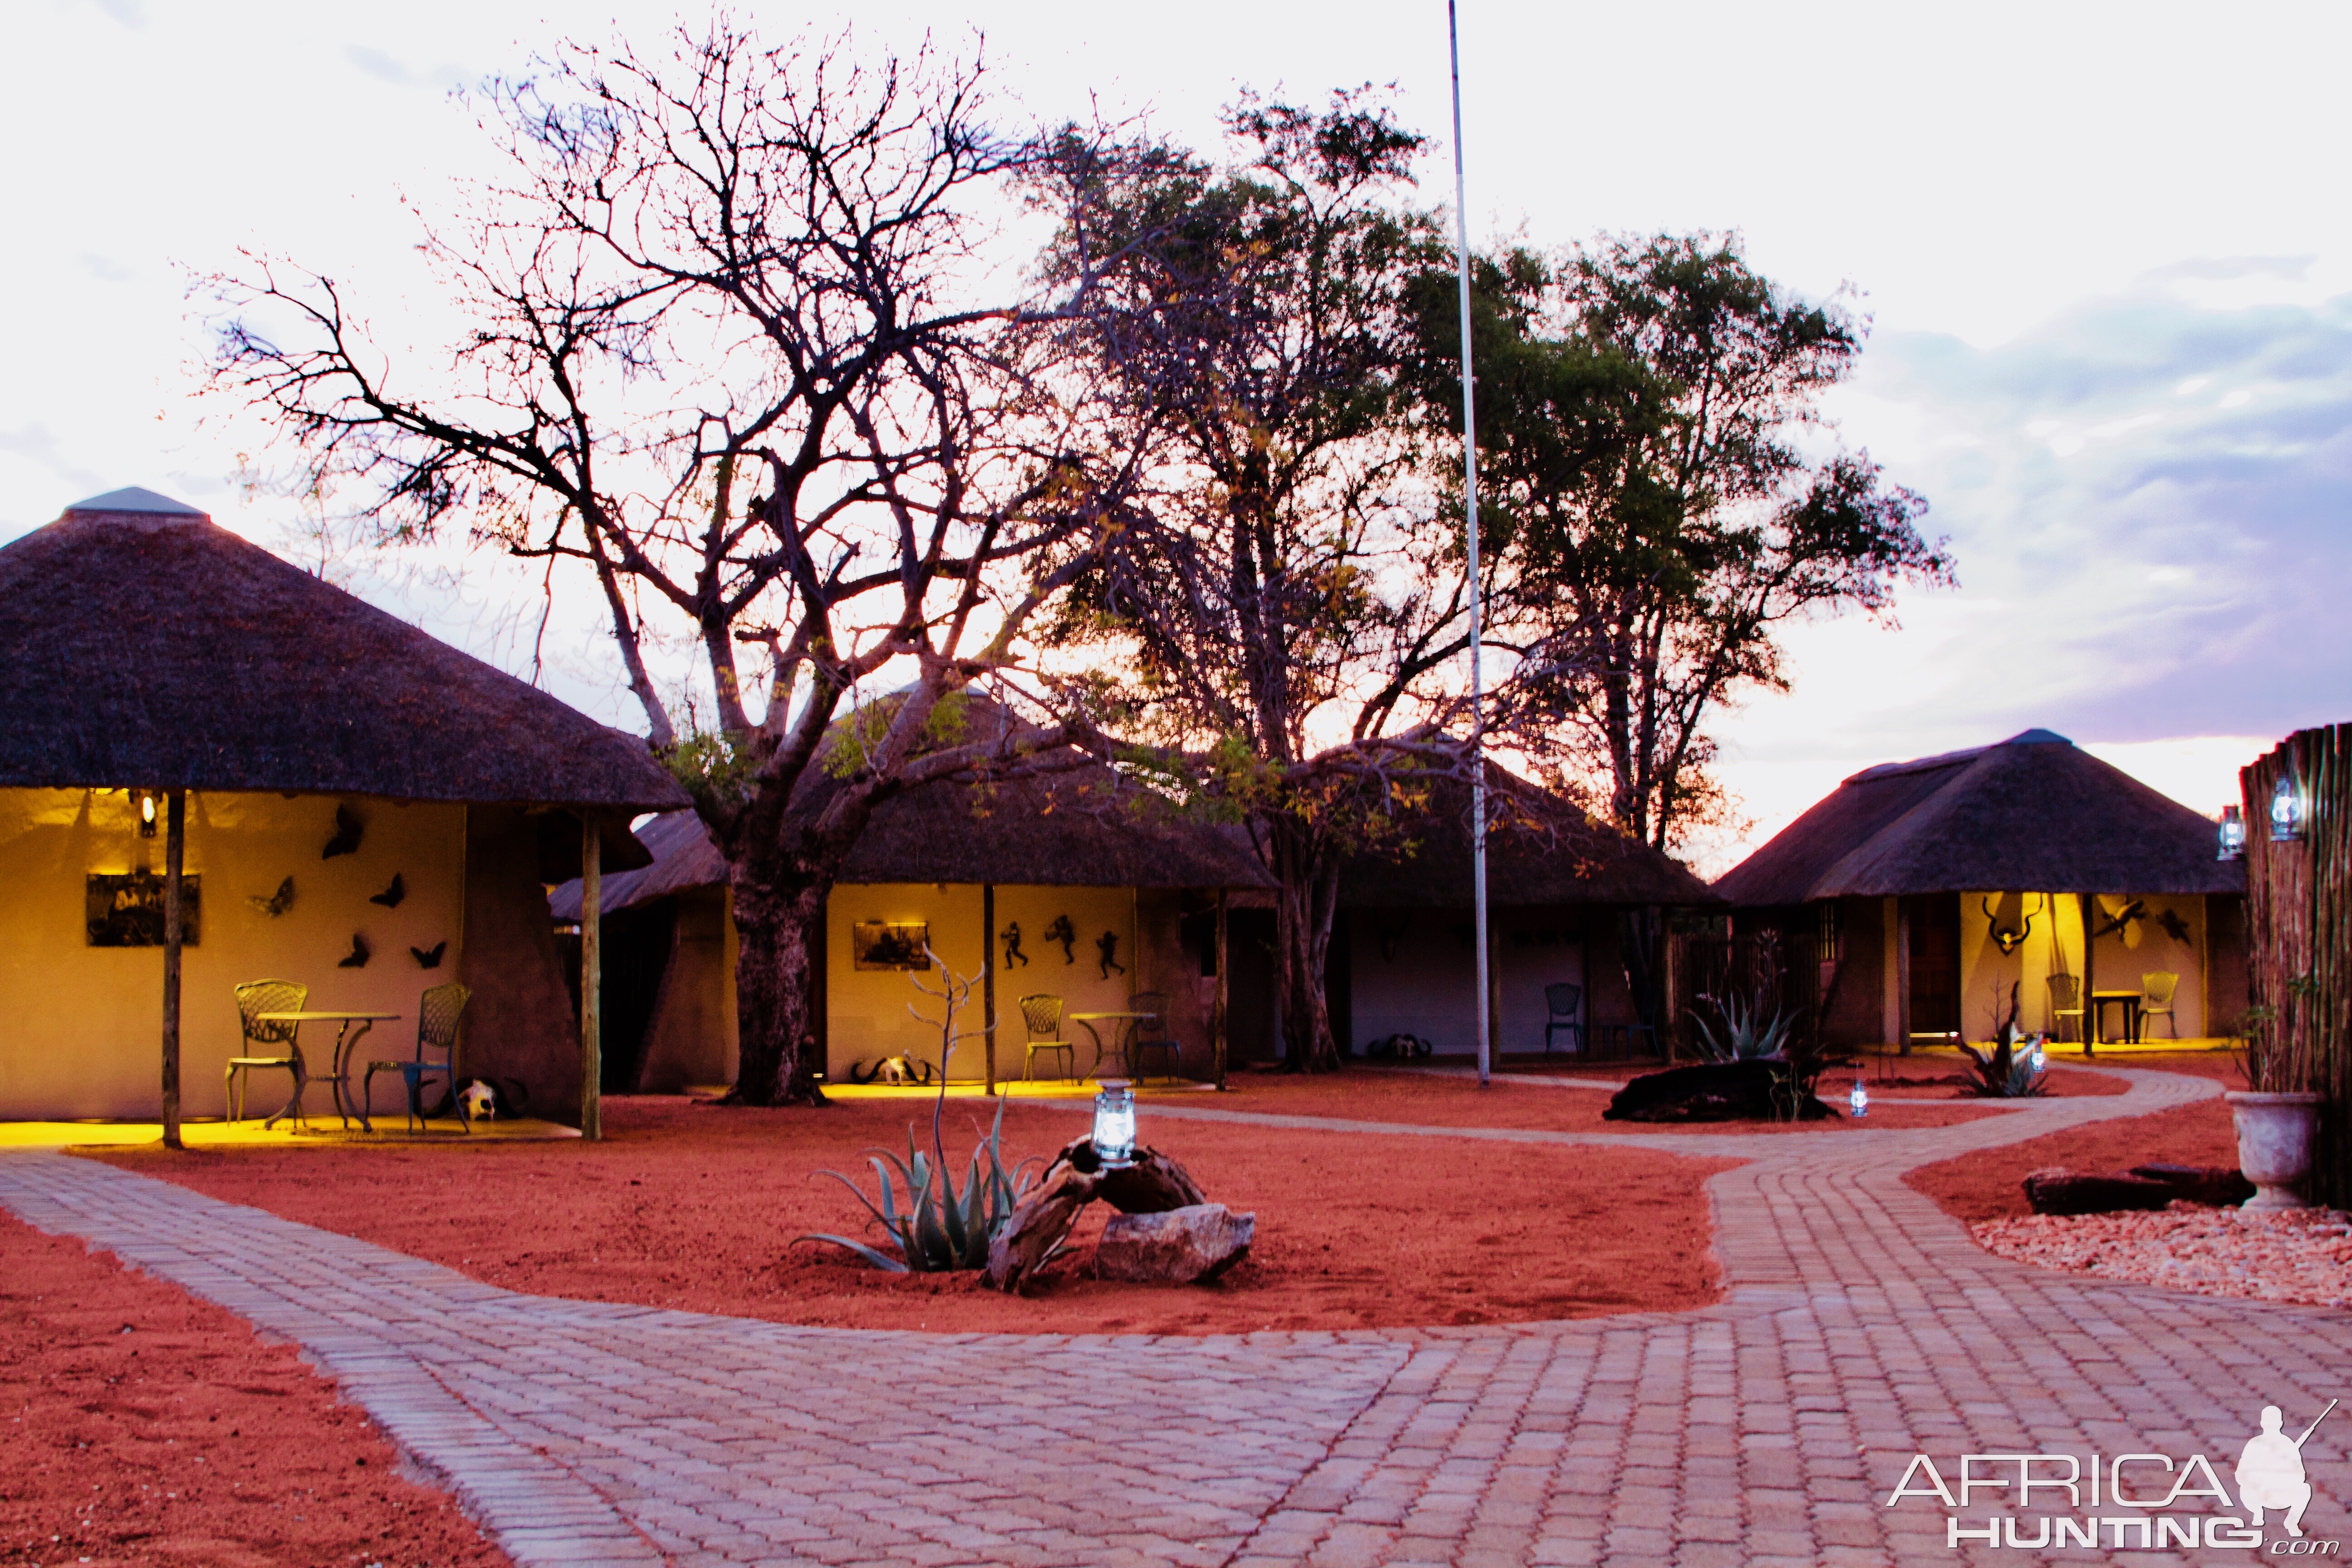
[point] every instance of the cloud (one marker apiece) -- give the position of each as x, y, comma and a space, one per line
2148, 500
380, 65
2148, 496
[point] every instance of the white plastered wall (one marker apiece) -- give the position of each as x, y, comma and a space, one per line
1987, 973
865, 1010
80, 1027
1429, 989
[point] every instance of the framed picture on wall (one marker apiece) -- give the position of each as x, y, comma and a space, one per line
889, 944
127, 911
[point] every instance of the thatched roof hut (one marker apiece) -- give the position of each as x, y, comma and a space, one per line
1540, 850
2032, 812
1085, 827
142, 645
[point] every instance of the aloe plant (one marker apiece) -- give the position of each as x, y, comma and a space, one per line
1747, 1035
936, 1228
2010, 1071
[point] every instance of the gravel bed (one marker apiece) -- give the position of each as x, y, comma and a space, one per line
2301, 1255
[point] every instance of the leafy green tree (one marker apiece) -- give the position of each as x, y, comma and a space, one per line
1278, 621
1656, 462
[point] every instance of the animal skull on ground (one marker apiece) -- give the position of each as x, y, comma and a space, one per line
481, 1101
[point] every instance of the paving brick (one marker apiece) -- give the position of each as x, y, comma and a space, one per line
1860, 1325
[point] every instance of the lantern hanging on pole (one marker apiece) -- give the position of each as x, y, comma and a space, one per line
1115, 1125
148, 805
2289, 813
2232, 834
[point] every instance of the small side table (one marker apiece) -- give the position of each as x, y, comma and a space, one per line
351, 1028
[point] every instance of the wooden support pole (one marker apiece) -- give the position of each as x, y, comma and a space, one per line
988, 983
592, 976
175, 849
1901, 978
1224, 971
2090, 996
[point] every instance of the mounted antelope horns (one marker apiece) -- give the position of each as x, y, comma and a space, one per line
2008, 939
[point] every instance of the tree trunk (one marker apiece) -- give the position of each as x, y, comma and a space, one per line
1304, 909
1641, 946
776, 922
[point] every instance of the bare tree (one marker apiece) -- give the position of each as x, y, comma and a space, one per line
718, 360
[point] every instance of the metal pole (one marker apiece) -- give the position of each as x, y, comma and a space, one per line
175, 849
592, 976
1470, 499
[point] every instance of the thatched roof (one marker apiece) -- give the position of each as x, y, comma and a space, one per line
1540, 849
1082, 828
143, 645
2031, 814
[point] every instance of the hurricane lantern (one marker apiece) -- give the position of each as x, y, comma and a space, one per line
1115, 1125
148, 805
1859, 1099
2234, 834
2036, 1057
2289, 812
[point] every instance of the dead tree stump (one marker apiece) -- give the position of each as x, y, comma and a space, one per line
1041, 1222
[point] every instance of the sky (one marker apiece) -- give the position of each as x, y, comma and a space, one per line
2103, 248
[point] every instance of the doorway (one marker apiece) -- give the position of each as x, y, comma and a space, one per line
1934, 920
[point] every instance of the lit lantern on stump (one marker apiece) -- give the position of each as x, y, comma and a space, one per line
1859, 1099
1114, 1137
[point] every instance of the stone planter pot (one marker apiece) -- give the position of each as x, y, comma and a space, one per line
2274, 1138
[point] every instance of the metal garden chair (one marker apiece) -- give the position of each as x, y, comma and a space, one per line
436, 1036
2155, 991
1563, 1001
2065, 1002
1042, 1015
1151, 1034
254, 998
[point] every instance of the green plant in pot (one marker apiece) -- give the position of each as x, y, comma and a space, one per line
2278, 1119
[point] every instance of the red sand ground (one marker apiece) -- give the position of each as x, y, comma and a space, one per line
1377, 1094
696, 1207
145, 1426
1985, 1185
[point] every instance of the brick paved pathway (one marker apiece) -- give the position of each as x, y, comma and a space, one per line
1861, 1326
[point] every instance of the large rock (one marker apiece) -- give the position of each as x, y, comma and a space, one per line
1708, 1092
2057, 1190
1189, 1246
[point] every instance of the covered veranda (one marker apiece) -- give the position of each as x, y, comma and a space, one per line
1942, 896
221, 769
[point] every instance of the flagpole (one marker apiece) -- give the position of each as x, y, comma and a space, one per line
1470, 495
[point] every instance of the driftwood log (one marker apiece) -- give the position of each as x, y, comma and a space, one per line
1708, 1092
2220, 1186
2056, 1190
2059, 1191
1042, 1221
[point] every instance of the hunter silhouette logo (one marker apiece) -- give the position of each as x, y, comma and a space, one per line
2156, 1501
2270, 1472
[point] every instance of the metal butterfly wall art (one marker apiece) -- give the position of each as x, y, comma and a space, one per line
429, 957
277, 903
361, 953
390, 897
346, 841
